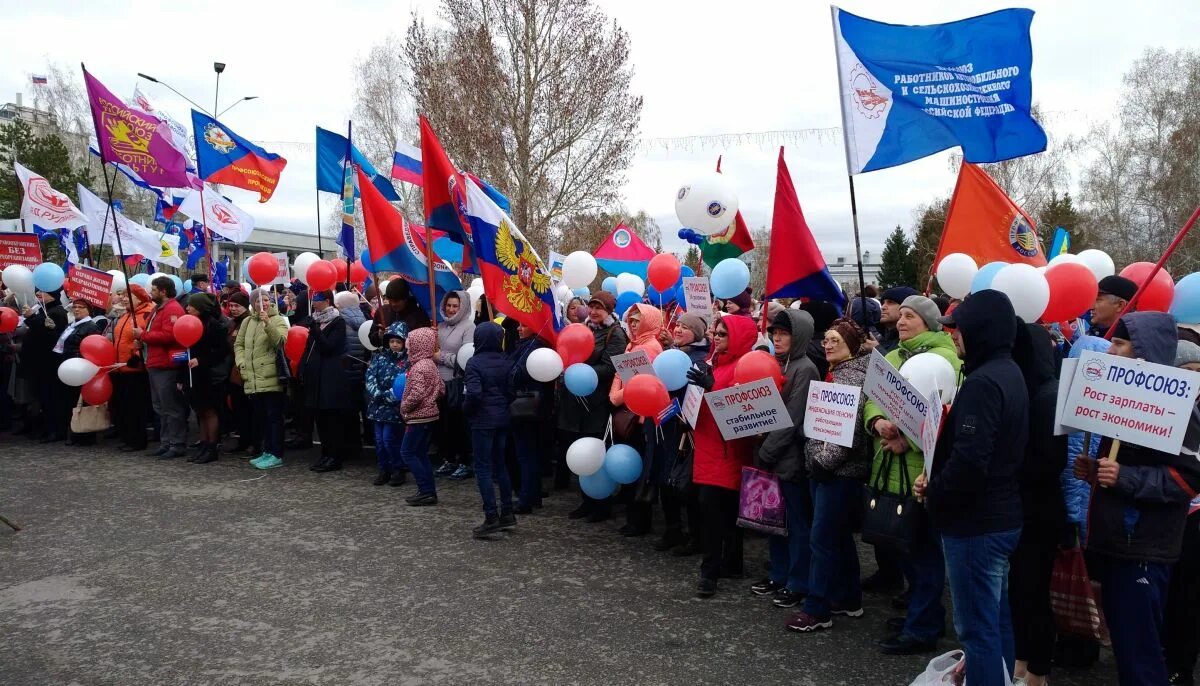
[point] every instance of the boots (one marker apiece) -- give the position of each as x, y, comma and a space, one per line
491, 524
399, 478
381, 478
209, 454
199, 450
328, 464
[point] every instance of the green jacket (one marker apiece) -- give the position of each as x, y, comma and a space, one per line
939, 343
254, 351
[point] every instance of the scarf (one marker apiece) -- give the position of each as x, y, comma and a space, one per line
325, 316
62, 340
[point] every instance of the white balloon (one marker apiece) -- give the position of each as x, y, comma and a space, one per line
586, 456
929, 372
544, 364
465, 353
76, 371
475, 290
1026, 288
118, 281
797, 305
562, 293
955, 272
579, 269
707, 203
345, 299
18, 278
1099, 262
1064, 258
300, 266
247, 288
364, 335
627, 282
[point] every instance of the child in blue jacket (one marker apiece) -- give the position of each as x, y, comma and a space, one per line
486, 397
387, 363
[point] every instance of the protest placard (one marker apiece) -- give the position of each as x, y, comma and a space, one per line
1134, 401
629, 364
282, 275
692, 399
748, 410
930, 429
556, 265
90, 284
20, 248
901, 403
696, 296
1066, 374
831, 412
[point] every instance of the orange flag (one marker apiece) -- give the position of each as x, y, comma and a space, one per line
986, 224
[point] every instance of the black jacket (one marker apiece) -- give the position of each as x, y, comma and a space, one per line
71, 345
590, 415
520, 380
325, 384
1046, 454
487, 388
38, 347
213, 354
973, 486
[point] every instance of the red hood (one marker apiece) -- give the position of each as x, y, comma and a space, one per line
742, 336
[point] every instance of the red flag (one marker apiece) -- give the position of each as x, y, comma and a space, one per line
986, 224
795, 266
443, 188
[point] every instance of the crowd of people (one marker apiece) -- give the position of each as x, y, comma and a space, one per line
1003, 495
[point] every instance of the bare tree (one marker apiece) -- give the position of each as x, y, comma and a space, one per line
533, 95
757, 259
63, 96
586, 230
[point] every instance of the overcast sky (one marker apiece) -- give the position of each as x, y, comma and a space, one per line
703, 68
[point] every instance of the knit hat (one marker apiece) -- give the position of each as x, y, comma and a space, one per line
240, 298
1187, 353
203, 303
606, 300
1119, 286
743, 300
850, 332
397, 289
926, 309
898, 294
694, 323
139, 293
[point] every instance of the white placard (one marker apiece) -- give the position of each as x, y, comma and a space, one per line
748, 410
901, 403
1134, 401
831, 412
1066, 374
697, 297
692, 400
282, 274
630, 364
930, 429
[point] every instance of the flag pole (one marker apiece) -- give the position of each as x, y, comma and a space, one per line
849, 173
862, 287
429, 255
320, 250
345, 167
121, 249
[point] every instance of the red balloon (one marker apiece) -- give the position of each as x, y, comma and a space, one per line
262, 267
646, 396
321, 275
8, 320
98, 350
340, 265
98, 390
293, 347
575, 344
1158, 295
757, 365
188, 330
1072, 291
663, 272
358, 273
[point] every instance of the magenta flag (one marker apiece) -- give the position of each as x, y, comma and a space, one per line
134, 138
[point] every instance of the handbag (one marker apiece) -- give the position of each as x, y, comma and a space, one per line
625, 424
1075, 598
890, 519
283, 371
525, 406
760, 502
86, 419
456, 388
681, 470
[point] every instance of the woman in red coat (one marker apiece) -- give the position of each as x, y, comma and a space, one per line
717, 464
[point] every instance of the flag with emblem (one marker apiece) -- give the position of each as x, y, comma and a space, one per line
129, 136
44, 208
443, 188
219, 214
986, 224
222, 156
108, 226
623, 252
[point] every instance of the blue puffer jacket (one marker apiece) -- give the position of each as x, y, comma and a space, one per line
1077, 493
488, 390
382, 404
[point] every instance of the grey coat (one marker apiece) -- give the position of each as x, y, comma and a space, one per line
781, 451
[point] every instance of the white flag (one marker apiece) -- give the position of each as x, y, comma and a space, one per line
45, 208
135, 239
220, 216
179, 132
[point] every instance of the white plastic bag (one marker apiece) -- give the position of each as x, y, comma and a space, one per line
942, 670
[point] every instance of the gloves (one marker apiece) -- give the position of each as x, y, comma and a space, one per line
702, 376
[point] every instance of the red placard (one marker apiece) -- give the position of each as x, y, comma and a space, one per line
90, 284
20, 248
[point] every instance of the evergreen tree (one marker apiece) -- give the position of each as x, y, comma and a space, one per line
694, 260
46, 156
1061, 212
898, 262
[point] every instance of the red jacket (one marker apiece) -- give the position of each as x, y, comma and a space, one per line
159, 335
718, 462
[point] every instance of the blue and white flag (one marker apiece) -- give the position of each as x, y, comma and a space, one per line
911, 91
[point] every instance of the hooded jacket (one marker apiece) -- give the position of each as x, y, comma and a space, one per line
356, 354
129, 351
420, 402
1142, 517
718, 462
382, 404
590, 415
254, 351
645, 340
823, 459
973, 485
1076, 493
454, 333
1046, 454
487, 390
325, 384
782, 450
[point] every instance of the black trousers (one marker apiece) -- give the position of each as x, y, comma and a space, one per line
331, 429
1029, 595
130, 406
722, 538
241, 415
452, 434
1181, 621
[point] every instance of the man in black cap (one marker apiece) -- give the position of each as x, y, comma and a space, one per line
1115, 292
400, 306
890, 301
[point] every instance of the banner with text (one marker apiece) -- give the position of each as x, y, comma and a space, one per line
748, 410
901, 402
90, 284
697, 296
20, 248
831, 412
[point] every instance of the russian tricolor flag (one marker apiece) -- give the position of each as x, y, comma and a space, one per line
406, 164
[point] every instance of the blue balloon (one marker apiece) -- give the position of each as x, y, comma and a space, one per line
684, 272
187, 286
1185, 307
672, 366
142, 279
623, 464
680, 298
659, 299
398, 385
599, 485
47, 277
581, 380
983, 278
609, 284
178, 284
581, 292
729, 278
625, 301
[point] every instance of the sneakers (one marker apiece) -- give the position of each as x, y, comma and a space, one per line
254, 462
806, 623
268, 461
787, 599
765, 587
707, 588
463, 472
490, 525
381, 478
422, 500
446, 469
848, 612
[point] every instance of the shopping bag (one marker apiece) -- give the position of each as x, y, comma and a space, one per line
1075, 598
761, 503
943, 669
87, 419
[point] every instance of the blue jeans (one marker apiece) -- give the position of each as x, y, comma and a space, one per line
977, 567
1133, 594
789, 554
925, 568
414, 450
488, 445
833, 572
389, 436
529, 458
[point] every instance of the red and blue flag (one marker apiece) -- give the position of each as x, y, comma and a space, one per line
623, 252
796, 268
443, 188
222, 156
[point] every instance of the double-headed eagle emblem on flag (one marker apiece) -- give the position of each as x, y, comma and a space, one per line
527, 279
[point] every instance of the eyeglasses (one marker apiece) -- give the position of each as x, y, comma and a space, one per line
722, 334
